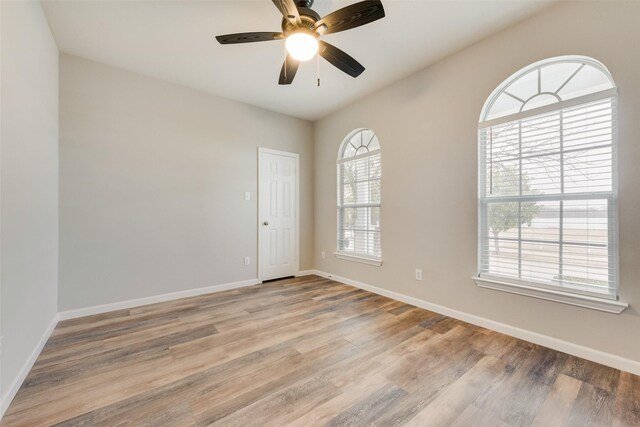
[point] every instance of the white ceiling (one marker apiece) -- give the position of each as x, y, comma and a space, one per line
174, 41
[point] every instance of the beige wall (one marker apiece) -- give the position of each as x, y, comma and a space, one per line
152, 179
427, 125
28, 186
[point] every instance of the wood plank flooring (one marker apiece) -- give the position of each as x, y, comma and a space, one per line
306, 352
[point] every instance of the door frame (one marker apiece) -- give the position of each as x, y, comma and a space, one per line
296, 156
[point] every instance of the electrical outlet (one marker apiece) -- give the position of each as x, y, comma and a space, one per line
418, 274
247, 260
323, 255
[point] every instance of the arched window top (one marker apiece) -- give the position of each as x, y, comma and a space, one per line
547, 82
361, 141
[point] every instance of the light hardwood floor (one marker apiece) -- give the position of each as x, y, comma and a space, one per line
305, 352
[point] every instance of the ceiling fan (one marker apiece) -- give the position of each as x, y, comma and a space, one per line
302, 28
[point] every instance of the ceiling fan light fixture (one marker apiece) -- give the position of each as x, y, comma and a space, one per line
302, 46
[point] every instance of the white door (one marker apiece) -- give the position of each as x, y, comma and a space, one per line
278, 214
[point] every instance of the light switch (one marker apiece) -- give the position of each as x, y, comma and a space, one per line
247, 195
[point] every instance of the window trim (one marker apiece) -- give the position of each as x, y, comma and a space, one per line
376, 261
606, 302
355, 256
532, 290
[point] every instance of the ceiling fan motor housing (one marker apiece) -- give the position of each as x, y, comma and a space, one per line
308, 18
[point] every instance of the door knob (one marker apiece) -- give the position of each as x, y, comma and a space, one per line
265, 223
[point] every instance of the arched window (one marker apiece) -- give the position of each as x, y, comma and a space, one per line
547, 175
359, 173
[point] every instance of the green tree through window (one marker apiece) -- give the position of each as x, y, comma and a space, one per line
504, 216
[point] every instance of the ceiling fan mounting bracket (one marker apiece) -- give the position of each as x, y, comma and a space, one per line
304, 3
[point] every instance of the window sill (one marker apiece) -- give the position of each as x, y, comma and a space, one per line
601, 304
359, 258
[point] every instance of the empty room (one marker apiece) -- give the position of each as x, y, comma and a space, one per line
319, 213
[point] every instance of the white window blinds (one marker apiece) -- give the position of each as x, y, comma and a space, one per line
547, 196
359, 173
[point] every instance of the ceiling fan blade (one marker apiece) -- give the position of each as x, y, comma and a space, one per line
351, 16
289, 10
248, 37
288, 71
340, 59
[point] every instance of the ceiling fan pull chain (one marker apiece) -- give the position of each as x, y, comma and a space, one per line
318, 57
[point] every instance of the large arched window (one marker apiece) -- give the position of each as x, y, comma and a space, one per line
547, 183
359, 173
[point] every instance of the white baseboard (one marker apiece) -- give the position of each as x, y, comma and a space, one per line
98, 309
305, 273
534, 337
24, 371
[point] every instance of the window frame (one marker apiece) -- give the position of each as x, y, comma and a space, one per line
578, 297
340, 205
